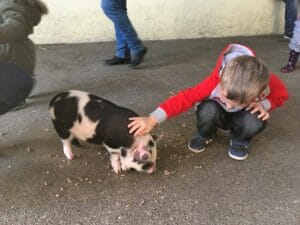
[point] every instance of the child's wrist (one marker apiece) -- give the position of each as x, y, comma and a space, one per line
153, 121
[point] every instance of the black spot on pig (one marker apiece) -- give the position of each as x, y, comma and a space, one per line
151, 144
76, 142
57, 97
65, 112
113, 121
123, 152
79, 118
148, 165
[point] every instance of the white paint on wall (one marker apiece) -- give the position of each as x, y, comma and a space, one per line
71, 21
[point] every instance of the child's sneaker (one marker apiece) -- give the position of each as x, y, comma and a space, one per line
238, 149
198, 143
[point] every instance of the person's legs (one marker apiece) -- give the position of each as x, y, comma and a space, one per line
113, 8
122, 39
126, 37
244, 126
290, 17
294, 46
133, 42
210, 115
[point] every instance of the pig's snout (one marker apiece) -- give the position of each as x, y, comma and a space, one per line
141, 156
145, 157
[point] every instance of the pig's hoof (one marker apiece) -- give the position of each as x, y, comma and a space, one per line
70, 156
68, 153
116, 167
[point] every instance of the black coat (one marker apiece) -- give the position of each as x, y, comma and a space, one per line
15, 85
17, 19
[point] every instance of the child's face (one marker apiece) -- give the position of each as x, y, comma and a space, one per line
230, 104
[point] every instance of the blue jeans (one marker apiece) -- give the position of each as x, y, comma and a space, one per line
243, 125
127, 40
290, 16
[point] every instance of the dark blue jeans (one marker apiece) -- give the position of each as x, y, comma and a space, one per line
127, 40
290, 16
243, 125
15, 85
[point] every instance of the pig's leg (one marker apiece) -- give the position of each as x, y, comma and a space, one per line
115, 162
114, 158
66, 138
67, 147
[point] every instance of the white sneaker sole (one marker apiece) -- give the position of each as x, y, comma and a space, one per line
196, 150
199, 150
236, 157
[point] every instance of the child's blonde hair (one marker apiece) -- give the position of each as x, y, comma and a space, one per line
244, 78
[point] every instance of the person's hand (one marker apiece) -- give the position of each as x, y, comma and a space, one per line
257, 107
141, 125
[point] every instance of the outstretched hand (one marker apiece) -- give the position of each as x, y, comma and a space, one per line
141, 125
257, 107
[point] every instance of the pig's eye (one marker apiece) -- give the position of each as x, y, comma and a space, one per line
151, 143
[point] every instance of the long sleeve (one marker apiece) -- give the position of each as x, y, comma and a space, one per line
278, 93
188, 97
13, 27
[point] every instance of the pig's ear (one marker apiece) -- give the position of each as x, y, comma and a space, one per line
157, 138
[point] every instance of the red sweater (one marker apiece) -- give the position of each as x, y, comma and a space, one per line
274, 96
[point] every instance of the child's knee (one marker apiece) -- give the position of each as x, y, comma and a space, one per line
208, 110
252, 125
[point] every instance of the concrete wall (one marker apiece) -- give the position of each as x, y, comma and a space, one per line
72, 21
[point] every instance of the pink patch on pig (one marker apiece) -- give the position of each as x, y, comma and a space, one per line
141, 155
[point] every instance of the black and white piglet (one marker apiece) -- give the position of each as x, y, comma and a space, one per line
78, 115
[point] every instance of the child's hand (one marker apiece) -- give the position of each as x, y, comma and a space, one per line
141, 125
257, 107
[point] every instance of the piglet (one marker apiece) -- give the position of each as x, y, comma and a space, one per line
78, 115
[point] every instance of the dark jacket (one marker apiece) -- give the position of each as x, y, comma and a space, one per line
15, 86
17, 19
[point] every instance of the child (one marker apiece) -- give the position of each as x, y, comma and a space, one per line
294, 46
17, 20
237, 96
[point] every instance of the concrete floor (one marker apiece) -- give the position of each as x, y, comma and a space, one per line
39, 186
